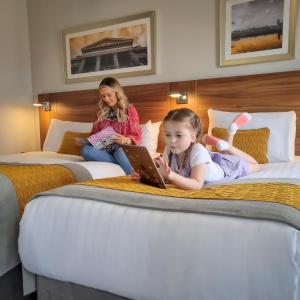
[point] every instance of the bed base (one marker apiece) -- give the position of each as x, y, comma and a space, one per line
51, 289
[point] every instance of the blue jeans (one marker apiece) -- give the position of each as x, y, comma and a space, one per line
118, 156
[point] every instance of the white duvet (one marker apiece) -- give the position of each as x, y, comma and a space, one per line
96, 169
278, 170
152, 254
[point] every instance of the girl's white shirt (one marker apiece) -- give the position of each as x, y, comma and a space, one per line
199, 155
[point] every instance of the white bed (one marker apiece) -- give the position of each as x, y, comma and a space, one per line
126, 244
96, 169
9, 209
82, 170
144, 253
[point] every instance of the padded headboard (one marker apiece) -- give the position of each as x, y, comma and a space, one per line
253, 93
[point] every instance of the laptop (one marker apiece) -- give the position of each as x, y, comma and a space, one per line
142, 162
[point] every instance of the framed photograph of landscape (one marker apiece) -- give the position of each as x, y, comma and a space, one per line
253, 31
120, 48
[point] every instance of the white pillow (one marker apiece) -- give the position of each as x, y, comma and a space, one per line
282, 125
58, 128
150, 132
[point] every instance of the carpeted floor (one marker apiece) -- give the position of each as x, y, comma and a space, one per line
11, 287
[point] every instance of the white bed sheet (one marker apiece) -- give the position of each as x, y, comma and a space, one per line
278, 170
150, 254
96, 169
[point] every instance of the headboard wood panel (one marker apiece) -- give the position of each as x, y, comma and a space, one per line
253, 93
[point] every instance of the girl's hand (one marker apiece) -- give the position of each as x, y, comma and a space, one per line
120, 139
164, 168
135, 175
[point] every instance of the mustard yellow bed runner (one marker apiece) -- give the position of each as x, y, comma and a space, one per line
283, 193
29, 180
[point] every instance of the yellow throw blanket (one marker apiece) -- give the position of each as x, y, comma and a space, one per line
283, 193
29, 180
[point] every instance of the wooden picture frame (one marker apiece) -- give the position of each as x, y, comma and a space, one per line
253, 31
120, 48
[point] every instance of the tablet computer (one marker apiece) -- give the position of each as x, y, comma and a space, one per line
142, 162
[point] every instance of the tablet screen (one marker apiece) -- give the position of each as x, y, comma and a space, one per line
142, 162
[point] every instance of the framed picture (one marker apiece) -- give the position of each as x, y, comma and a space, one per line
122, 47
257, 31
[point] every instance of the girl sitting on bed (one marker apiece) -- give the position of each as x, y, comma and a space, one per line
116, 112
188, 165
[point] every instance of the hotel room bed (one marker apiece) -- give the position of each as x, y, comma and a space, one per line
53, 167
13, 197
143, 246
98, 247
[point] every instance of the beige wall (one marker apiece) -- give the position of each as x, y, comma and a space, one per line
187, 40
17, 118
187, 48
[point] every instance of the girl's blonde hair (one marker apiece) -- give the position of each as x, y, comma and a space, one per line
188, 116
122, 102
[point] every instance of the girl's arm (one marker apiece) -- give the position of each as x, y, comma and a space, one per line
195, 182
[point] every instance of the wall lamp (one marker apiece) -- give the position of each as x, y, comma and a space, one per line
181, 97
46, 106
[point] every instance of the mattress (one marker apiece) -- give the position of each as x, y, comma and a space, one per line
146, 253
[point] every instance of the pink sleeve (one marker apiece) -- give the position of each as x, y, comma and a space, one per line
133, 129
96, 126
94, 129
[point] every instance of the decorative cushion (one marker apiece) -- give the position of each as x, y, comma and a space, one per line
68, 145
252, 141
282, 125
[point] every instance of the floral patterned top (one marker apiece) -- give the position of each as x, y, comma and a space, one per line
130, 128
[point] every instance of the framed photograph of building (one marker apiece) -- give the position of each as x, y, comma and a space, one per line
122, 47
253, 31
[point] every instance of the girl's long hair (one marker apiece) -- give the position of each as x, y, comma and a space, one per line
122, 102
187, 116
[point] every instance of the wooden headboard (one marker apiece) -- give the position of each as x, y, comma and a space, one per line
253, 93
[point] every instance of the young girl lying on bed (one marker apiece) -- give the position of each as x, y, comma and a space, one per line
188, 165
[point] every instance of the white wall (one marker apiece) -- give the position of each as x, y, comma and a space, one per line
187, 40
17, 118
